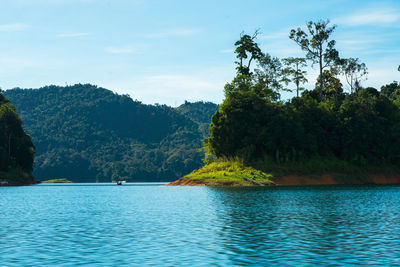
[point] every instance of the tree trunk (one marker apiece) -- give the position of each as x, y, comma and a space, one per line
321, 80
297, 79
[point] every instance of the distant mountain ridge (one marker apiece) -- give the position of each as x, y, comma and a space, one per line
87, 134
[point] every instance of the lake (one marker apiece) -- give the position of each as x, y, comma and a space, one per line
147, 224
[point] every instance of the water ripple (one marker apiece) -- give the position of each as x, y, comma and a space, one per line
150, 225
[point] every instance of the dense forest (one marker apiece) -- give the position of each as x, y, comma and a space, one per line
87, 134
331, 123
16, 148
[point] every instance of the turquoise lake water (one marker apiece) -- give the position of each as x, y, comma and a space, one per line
146, 224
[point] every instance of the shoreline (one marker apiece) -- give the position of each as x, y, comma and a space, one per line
312, 179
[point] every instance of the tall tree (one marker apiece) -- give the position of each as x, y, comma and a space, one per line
333, 87
320, 50
269, 71
294, 73
353, 70
246, 47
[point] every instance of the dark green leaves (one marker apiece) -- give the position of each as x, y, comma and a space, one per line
246, 47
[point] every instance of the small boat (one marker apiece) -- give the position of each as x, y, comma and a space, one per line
120, 182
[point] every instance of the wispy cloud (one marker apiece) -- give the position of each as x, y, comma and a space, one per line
18, 63
173, 33
72, 35
14, 27
227, 51
173, 89
377, 17
283, 34
126, 49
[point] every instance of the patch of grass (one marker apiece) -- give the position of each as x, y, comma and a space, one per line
230, 172
235, 172
57, 181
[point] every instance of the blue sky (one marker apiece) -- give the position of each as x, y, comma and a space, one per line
168, 51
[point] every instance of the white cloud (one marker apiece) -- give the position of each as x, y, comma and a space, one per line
173, 33
14, 27
71, 35
378, 17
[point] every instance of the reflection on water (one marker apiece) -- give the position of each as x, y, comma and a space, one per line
313, 225
169, 226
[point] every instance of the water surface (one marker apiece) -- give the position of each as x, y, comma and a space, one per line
146, 224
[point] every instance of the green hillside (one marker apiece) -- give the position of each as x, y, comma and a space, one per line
16, 148
86, 134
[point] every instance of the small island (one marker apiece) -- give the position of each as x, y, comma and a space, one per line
57, 181
319, 137
225, 173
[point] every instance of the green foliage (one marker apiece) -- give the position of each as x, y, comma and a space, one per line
333, 87
16, 176
353, 70
57, 181
319, 49
293, 72
269, 72
246, 47
391, 90
324, 130
16, 148
230, 172
199, 112
91, 134
362, 128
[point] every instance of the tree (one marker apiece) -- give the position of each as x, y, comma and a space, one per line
353, 70
247, 47
16, 148
293, 72
333, 87
316, 43
391, 90
269, 72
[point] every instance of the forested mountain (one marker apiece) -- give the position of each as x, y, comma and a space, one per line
200, 112
86, 134
16, 148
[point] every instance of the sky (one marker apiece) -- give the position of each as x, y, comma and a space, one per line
169, 51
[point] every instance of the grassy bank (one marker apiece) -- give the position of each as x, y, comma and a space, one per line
311, 172
57, 181
226, 172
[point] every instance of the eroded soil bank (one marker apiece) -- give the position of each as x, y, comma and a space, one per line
323, 179
185, 182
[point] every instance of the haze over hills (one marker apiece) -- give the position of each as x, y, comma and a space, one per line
87, 134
